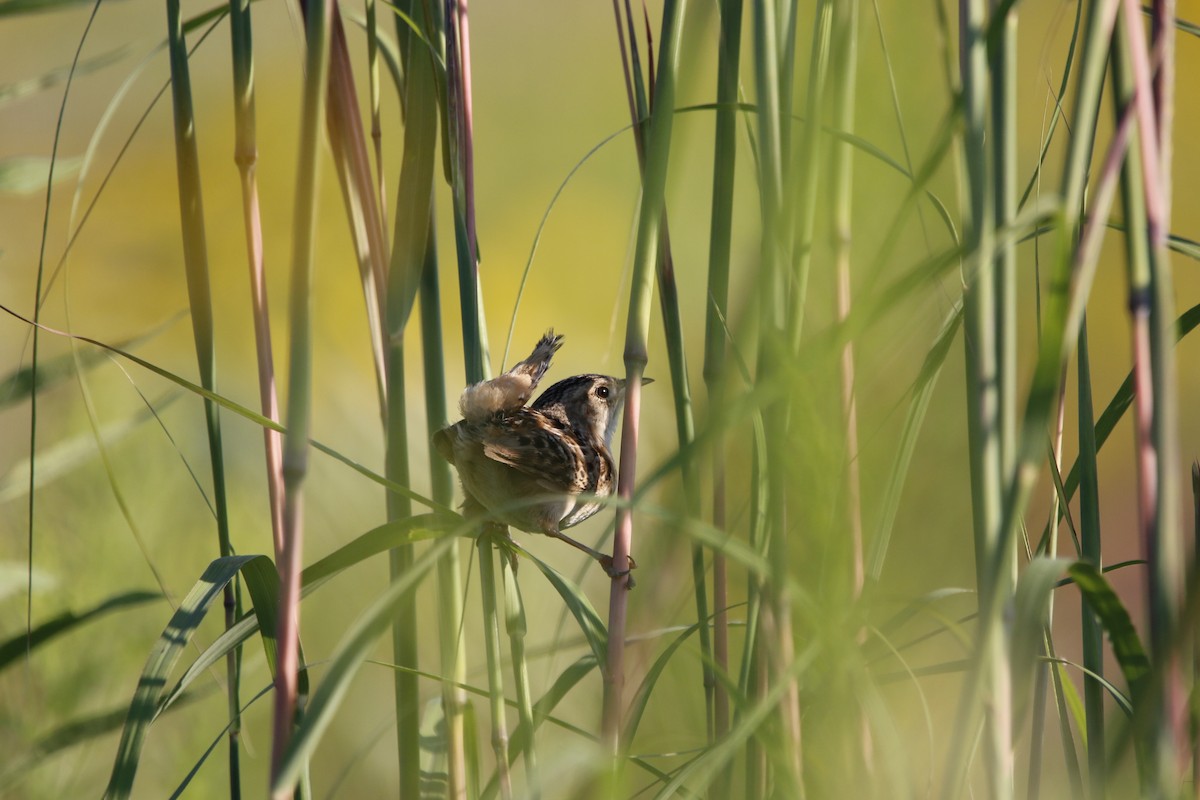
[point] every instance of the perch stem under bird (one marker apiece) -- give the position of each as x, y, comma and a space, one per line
541, 467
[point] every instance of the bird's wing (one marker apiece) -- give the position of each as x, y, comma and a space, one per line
529, 444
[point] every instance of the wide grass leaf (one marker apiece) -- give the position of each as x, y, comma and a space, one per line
163, 657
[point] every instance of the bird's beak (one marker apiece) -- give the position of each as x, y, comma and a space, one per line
646, 381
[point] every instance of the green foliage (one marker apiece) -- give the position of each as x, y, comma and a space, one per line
837, 544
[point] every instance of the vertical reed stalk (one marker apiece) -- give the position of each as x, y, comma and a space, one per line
677, 358
981, 349
450, 603
1003, 66
485, 544
1067, 290
246, 158
411, 243
461, 138
514, 623
1089, 535
845, 68
809, 168
299, 411
724, 163
1154, 397
773, 81
195, 251
845, 55
658, 148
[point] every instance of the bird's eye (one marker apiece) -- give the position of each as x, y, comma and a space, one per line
602, 392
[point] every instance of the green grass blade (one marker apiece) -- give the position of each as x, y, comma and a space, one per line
347, 658
163, 657
580, 608
15, 648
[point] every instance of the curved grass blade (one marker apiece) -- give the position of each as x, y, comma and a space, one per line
914, 420
578, 604
64, 623
374, 542
637, 706
1126, 644
163, 657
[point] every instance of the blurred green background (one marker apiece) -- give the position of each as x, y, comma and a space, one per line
547, 90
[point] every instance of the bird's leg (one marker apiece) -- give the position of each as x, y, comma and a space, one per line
499, 533
605, 560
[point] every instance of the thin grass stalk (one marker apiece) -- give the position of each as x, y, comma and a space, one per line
491, 640
195, 251
246, 158
1045, 671
983, 330
514, 623
373, 89
720, 235
809, 167
299, 410
980, 347
845, 68
1067, 289
31, 506
1154, 400
400, 560
775, 607
658, 148
1004, 207
411, 244
845, 55
459, 116
1089, 535
677, 358
450, 603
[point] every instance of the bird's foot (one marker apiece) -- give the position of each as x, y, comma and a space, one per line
606, 564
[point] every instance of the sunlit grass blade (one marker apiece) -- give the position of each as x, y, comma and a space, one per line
163, 657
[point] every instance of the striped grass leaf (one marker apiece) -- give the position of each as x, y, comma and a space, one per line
372, 543
1114, 618
165, 654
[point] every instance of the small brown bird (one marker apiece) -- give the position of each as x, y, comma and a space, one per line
544, 467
